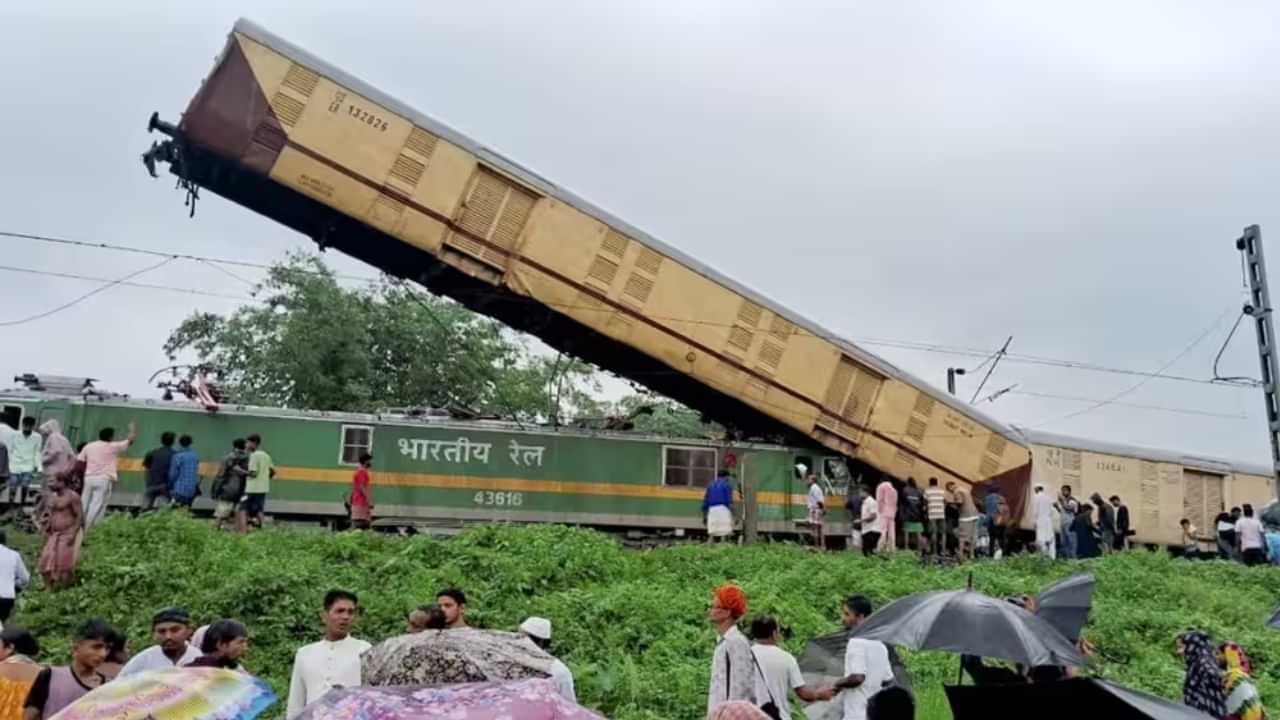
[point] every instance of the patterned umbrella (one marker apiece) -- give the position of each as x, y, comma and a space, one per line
178, 694
523, 699
462, 655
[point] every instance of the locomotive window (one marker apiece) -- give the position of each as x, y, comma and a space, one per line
688, 467
12, 415
356, 439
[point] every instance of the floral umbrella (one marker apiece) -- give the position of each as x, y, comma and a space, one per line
462, 655
177, 694
519, 700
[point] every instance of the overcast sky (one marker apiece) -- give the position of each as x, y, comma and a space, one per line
1071, 174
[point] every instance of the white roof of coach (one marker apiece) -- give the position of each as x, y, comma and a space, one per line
1039, 437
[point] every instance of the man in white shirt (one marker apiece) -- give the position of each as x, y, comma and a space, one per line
1042, 511
866, 662
778, 672
732, 664
171, 629
13, 577
817, 504
538, 630
1250, 538
334, 662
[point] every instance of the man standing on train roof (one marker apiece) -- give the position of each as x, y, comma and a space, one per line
24, 460
887, 511
156, 465
817, 504
453, 603
101, 459
256, 486
717, 507
172, 631
1042, 511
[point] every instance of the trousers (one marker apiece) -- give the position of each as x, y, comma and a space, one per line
97, 491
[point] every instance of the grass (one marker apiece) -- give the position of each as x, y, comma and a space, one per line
629, 623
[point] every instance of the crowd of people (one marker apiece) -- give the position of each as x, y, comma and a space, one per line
944, 521
75, 485
99, 654
1239, 534
755, 679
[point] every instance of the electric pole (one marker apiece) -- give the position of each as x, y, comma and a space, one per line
1259, 308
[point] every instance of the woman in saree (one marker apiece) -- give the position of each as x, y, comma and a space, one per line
62, 523
1243, 702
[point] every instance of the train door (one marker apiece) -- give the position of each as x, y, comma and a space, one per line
1201, 498
488, 223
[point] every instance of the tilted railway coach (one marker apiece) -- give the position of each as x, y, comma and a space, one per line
284, 133
444, 473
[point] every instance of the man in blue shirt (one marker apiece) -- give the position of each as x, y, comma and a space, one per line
184, 473
717, 507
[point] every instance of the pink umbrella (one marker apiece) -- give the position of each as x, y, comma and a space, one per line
523, 699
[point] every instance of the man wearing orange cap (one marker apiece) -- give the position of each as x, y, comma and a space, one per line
732, 665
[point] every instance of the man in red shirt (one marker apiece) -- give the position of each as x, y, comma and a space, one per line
361, 502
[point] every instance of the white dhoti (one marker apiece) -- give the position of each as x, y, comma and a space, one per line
1046, 541
719, 521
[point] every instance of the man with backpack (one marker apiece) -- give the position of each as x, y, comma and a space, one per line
228, 486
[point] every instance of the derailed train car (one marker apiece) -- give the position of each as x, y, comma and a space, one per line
288, 135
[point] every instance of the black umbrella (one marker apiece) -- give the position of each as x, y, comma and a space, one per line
968, 622
1078, 697
822, 664
824, 658
1274, 622
1065, 604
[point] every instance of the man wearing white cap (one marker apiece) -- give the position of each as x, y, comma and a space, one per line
539, 631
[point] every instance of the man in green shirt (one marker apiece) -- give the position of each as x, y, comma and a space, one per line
256, 486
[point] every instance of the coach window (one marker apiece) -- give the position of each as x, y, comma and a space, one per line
356, 439
688, 467
12, 416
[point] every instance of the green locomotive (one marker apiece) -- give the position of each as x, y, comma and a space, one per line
438, 472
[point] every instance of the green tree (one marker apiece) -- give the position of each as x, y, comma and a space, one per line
657, 415
311, 343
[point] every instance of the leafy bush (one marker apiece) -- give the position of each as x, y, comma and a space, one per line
629, 623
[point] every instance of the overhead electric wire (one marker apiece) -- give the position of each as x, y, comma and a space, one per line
109, 284
1160, 408
1103, 403
143, 286
157, 253
1218, 358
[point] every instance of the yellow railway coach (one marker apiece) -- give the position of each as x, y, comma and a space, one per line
1160, 487
298, 140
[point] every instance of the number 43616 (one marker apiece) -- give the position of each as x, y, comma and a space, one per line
490, 497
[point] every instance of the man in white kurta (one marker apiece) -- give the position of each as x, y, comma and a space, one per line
334, 662
1042, 510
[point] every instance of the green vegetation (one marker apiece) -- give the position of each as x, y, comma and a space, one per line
630, 623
